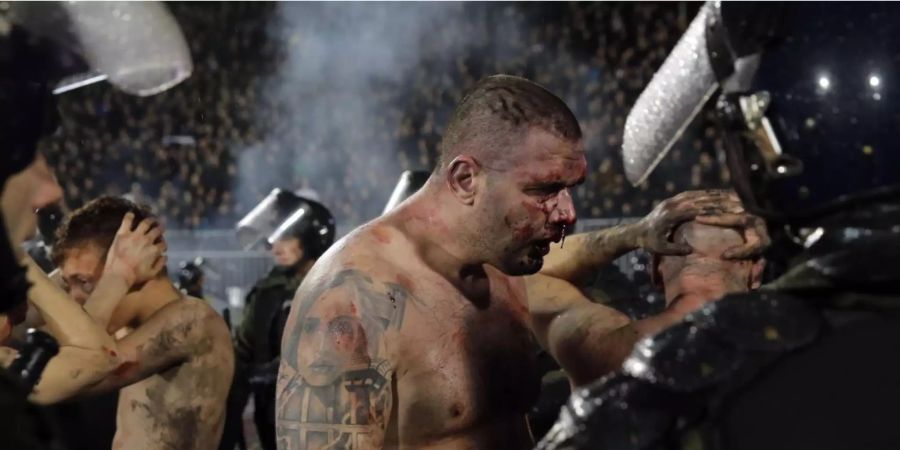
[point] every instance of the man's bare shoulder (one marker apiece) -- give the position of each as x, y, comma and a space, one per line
355, 280
192, 322
377, 240
335, 383
191, 306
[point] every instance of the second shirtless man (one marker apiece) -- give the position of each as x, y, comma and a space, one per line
175, 359
415, 330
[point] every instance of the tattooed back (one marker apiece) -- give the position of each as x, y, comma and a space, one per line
380, 351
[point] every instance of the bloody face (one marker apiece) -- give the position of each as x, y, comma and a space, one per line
528, 203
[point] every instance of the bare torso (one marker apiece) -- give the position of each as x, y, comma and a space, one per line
180, 408
464, 369
466, 372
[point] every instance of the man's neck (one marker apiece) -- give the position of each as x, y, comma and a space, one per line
438, 236
688, 298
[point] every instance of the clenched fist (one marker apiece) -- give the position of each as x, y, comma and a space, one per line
136, 255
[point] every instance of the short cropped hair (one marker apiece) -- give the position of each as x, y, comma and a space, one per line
498, 110
95, 223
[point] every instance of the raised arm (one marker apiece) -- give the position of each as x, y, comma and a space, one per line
135, 256
63, 318
587, 339
583, 254
590, 340
182, 329
336, 380
88, 354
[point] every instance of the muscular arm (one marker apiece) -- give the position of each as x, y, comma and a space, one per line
180, 330
65, 319
583, 254
33, 318
87, 352
591, 340
335, 384
587, 339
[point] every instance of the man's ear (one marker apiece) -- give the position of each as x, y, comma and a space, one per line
756, 271
462, 179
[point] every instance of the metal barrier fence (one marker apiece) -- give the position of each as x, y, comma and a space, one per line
229, 271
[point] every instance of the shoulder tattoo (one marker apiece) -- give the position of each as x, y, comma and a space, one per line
334, 384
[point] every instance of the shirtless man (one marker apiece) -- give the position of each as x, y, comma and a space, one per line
84, 346
415, 330
176, 360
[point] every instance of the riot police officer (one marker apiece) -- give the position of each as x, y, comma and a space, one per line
806, 95
298, 231
190, 277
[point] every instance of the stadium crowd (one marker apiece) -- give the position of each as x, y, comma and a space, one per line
187, 148
253, 117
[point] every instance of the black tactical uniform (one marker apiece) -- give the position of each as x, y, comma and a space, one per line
258, 343
809, 111
258, 338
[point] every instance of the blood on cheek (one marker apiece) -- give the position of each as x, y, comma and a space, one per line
522, 228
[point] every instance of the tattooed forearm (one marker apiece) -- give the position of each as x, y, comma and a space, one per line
586, 252
334, 384
604, 246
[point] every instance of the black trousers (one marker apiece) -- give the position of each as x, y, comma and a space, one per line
264, 415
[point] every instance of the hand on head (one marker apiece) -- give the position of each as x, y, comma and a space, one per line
137, 253
711, 207
706, 273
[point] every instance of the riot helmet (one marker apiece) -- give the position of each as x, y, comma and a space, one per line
284, 214
190, 277
47, 48
805, 97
